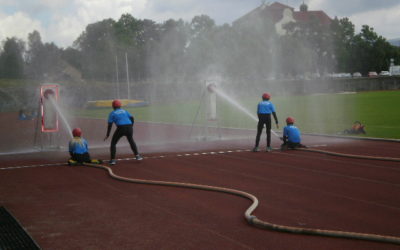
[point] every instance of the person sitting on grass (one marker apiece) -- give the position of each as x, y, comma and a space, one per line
357, 128
79, 150
291, 136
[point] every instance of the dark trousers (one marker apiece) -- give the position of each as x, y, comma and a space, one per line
125, 130
81, 157
264, 119
291, 145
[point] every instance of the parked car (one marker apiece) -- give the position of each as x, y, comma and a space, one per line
372, 74
385, 73
340, 75
357, 74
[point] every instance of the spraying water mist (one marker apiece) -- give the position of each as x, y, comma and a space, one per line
227, 98
61, 114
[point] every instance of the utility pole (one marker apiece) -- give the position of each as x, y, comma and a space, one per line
127, 75
116, 69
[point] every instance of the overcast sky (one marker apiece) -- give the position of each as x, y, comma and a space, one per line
62, 21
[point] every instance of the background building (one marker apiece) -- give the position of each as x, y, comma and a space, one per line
281, 15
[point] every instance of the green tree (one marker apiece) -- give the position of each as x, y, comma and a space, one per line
371, 52
11, 59
128, 31
200, 48
42, 60
137, 39
166, 60
97, 47
343, 38
73, 57
150, 37
35, 46
225, 59
306, 48
253, 50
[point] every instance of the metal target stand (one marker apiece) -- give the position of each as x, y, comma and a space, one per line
47, 136
206, 116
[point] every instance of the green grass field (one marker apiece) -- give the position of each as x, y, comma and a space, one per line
325, 113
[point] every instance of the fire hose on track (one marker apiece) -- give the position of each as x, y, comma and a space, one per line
253, 220
367, 157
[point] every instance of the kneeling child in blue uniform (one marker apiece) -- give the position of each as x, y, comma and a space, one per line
291, 136
78, 149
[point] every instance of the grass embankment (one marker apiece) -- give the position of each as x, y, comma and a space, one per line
335, 112
325, 113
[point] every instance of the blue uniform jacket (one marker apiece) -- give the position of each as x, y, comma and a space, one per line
265, 107
292, 133
120, 117
78, 145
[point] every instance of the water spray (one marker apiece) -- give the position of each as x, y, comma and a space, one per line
51, 110
63, 119
213, 88
212, 102
47, 130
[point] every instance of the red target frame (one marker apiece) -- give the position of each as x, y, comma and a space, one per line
48, 110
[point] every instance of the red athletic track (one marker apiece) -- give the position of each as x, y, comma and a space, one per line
83, 208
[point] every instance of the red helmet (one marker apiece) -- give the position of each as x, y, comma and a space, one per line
290, 120
266, 96
77, 132
116, 104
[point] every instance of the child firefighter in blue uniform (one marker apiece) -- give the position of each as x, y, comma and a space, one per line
264, 110
79, 150
291, 135
124, 122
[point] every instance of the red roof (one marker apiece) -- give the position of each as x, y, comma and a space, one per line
275, 12
306, 16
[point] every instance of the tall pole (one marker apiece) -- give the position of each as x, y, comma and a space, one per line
127, 75
116, 69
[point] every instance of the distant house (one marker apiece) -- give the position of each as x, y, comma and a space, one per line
281, 14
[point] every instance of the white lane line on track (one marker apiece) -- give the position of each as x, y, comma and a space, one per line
34, 166
150, 157
124, 159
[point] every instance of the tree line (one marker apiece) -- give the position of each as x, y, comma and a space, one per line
175, 50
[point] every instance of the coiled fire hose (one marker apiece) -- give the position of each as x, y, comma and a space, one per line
253, 220
367, 157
